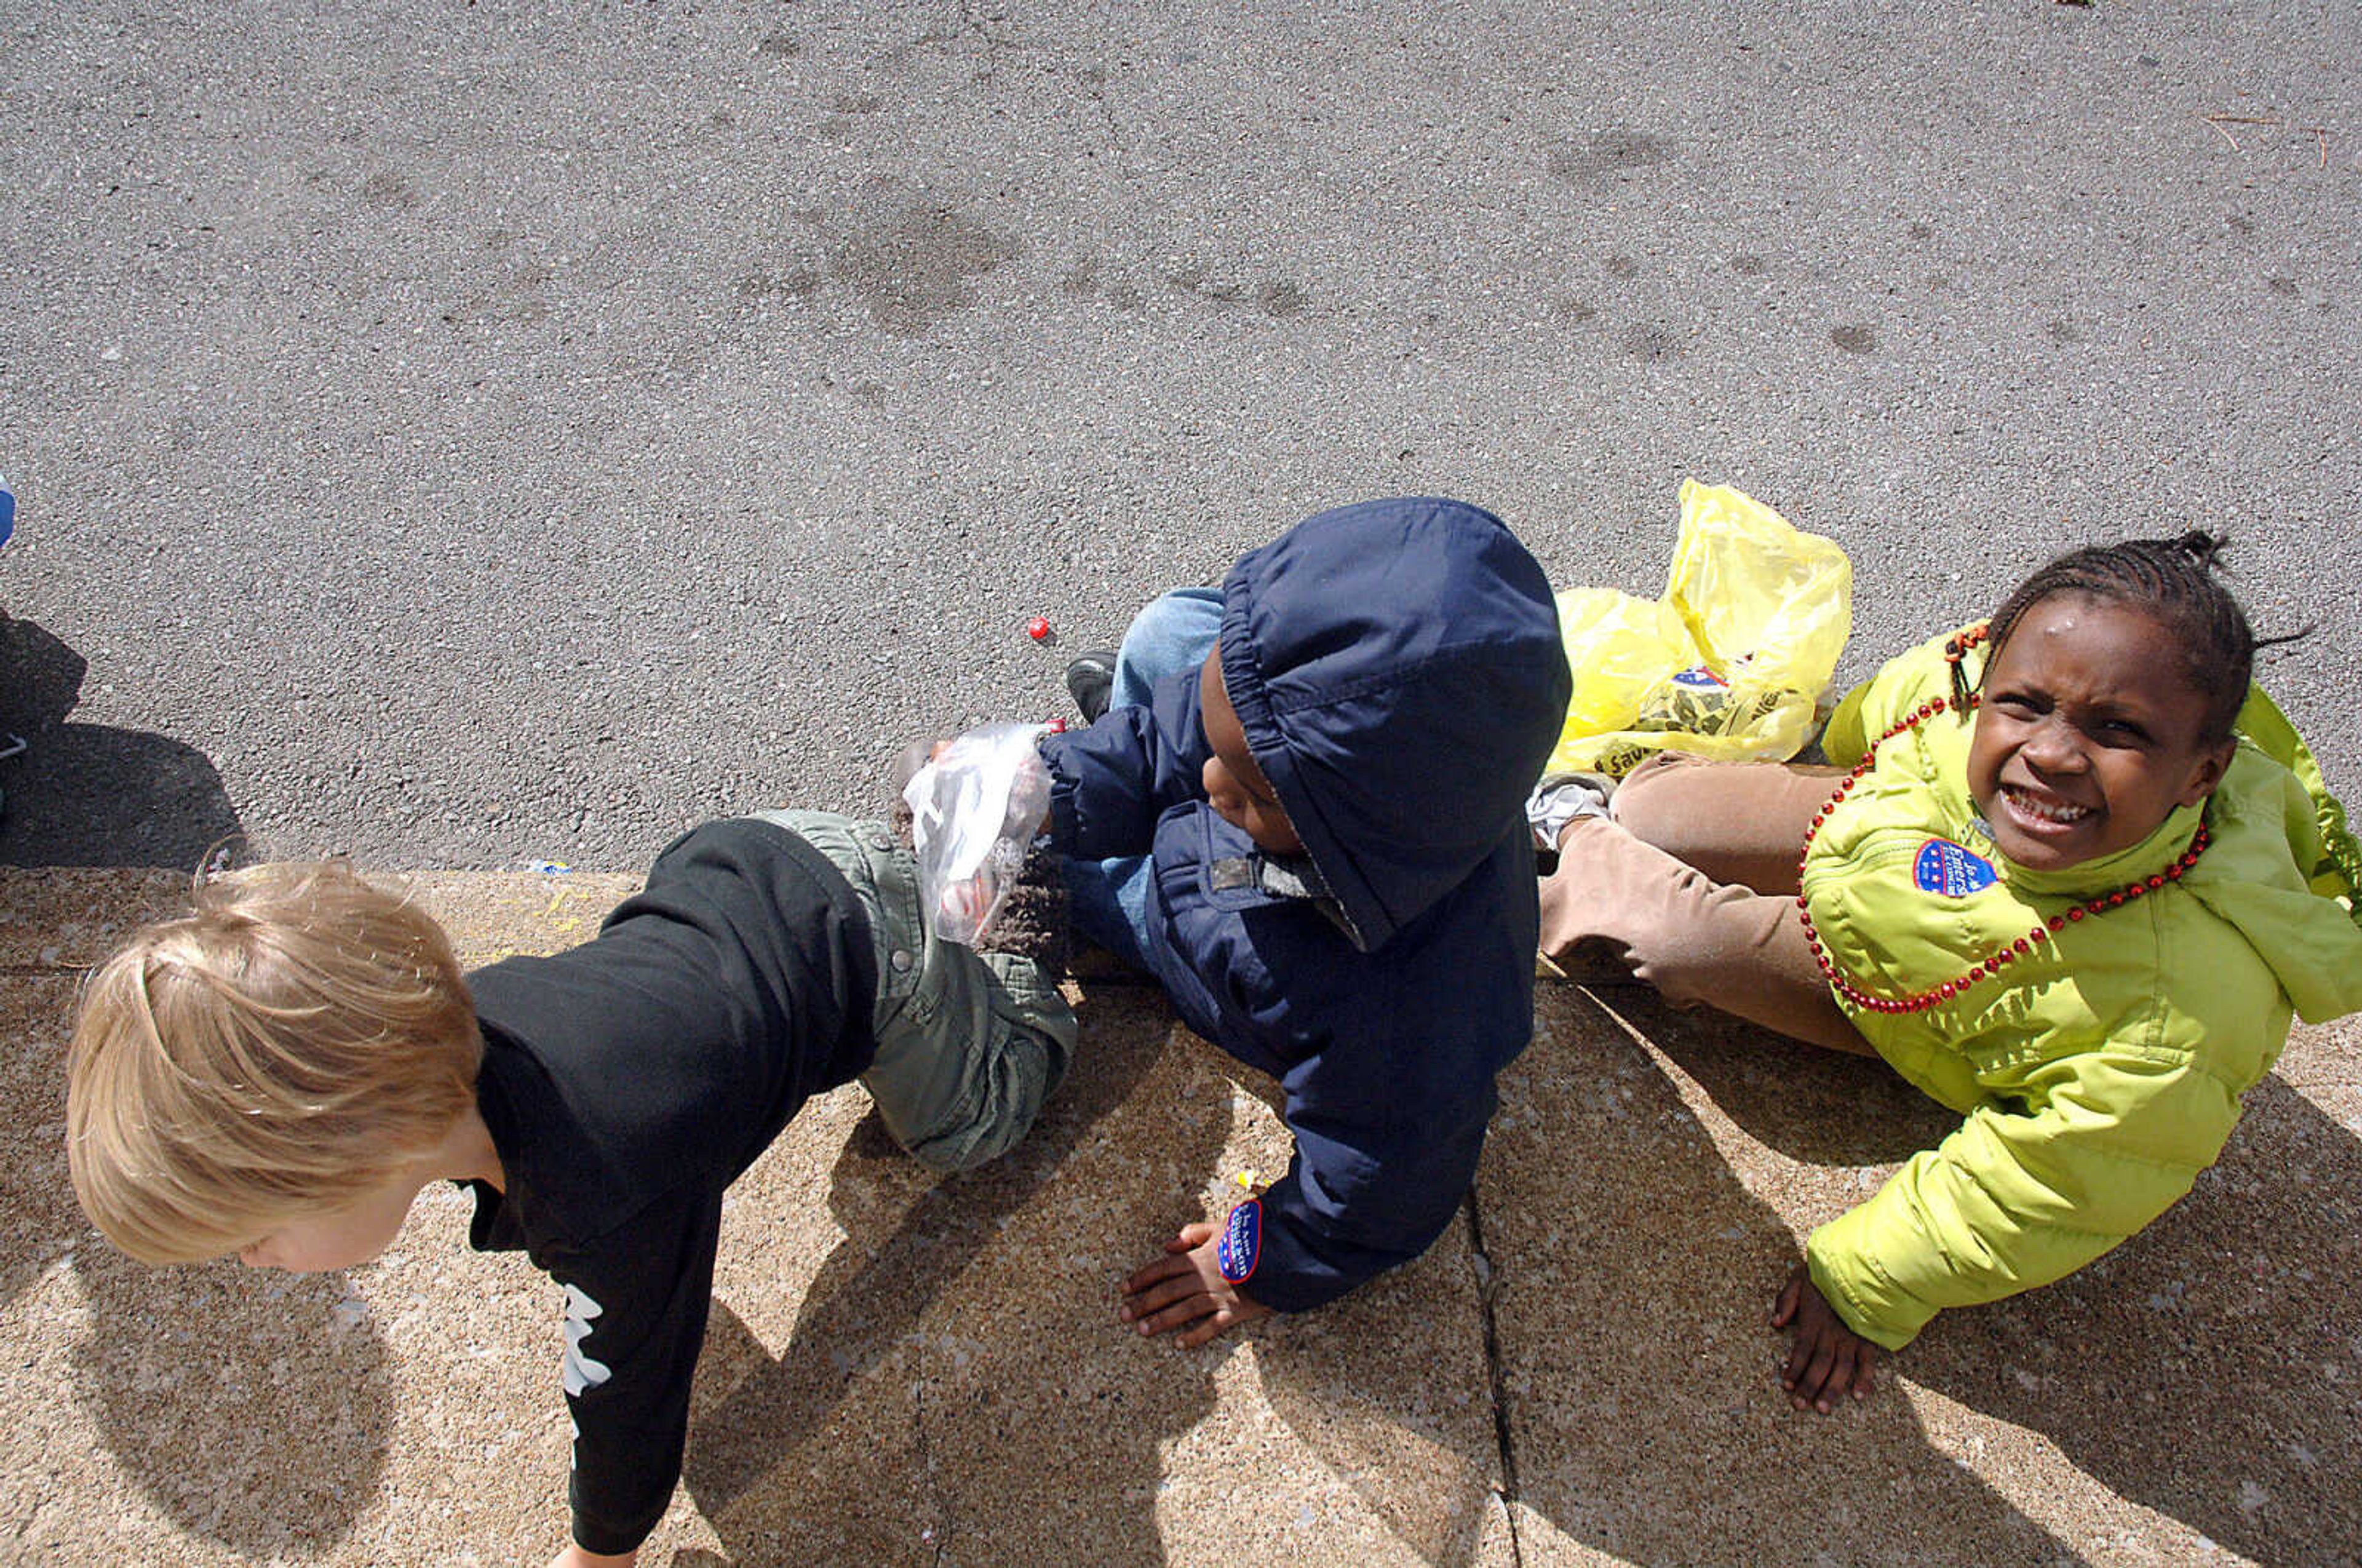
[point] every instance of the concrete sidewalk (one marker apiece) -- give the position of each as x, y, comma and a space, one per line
901, 1371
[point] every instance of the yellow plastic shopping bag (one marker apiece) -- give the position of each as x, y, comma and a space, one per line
1730, 663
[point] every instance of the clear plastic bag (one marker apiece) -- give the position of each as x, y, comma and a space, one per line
1731, 662
975, 811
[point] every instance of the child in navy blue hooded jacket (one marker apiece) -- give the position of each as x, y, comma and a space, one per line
1338, 887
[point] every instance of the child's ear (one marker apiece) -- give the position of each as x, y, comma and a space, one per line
2211, 765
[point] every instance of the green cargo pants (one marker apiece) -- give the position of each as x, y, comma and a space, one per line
970, 1044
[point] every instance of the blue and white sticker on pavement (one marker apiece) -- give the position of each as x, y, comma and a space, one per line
1242, 1242
8, 510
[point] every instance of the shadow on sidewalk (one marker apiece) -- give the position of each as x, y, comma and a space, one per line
1637, 1273
759, 1464
192, 1378
195, 1377
2209, 1369
89, 794
1413, 1439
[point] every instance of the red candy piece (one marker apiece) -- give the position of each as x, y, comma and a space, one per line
1038, 627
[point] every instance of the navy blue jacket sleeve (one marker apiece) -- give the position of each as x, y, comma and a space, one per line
1111, 782
1359, 1199
1387, 1059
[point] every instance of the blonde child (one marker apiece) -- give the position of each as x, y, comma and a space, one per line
278, 1076
2070, 877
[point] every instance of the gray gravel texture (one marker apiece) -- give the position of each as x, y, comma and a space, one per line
470, 435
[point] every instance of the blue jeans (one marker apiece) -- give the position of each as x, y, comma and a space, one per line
1176, 632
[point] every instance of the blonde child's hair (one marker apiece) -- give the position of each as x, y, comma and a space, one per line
280, 1052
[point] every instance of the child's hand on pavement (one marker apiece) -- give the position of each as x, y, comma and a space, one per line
1828, 1359
1185, 1289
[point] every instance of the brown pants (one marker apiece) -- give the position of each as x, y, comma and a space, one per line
1693, 885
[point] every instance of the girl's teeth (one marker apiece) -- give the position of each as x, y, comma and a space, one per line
2062, 813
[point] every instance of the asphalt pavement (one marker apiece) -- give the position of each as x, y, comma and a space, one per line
473, 435
480, 435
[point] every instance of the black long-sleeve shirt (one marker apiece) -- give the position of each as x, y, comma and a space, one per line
626, 1084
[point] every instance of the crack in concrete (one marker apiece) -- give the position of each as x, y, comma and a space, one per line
1497, 1378
939, 1536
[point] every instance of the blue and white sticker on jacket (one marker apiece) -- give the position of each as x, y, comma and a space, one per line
1242, 1242
1947, 868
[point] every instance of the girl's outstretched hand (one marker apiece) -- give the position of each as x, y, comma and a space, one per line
1828, 1360
1185, 1289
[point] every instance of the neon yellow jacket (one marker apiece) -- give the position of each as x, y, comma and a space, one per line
2099, 1073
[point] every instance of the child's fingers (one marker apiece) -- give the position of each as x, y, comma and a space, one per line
1833, 1369
1173, 1265
1216, 1323
1140, 1304
1783, 1306
1865, 1366
1845, 1369
1799, 1355
1180, 1315
1170, 1285
1808, 1370
1195, 1234
1166, 1267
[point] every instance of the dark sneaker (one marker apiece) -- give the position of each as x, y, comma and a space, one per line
1090, 682
1557, 803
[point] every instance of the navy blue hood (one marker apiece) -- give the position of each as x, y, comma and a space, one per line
1398, 671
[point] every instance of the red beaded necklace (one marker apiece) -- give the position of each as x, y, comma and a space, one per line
2001, 957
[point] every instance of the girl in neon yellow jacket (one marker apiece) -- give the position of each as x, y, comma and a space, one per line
2071, 875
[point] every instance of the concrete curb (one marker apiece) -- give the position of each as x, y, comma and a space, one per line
906, 1371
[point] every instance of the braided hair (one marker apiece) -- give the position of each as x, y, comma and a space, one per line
2178, 582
